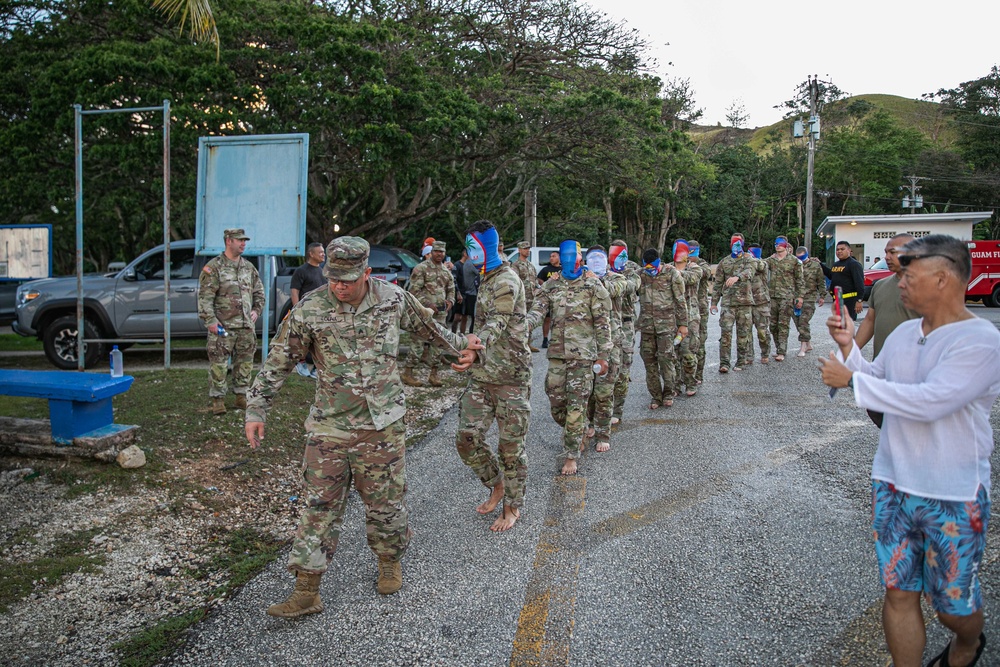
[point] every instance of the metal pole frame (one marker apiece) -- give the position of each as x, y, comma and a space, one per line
78, 114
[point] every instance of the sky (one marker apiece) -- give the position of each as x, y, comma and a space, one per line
759, 52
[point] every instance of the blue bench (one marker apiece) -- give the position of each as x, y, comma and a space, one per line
79, 403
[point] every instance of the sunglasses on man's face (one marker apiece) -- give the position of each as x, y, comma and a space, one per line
904, 260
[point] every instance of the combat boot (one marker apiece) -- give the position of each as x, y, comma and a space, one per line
409, 380
434, 380
218, 406
390, 576
241, 402
303, 600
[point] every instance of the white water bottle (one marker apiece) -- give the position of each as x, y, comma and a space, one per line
116, 362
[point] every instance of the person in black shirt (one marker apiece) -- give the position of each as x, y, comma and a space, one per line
553, 268
306, 278
848, 274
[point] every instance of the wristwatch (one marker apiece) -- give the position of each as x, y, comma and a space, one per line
850, 383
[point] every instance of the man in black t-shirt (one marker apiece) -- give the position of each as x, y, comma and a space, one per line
848, 274
554, 267
306, 278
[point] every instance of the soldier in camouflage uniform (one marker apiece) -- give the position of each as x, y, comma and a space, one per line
355, 427
694, 257
786, 288
500, 383
663, 316
733, 289
761, 305
620, 264
230, 294
600, 407
691, 272
579, 338
813, 294
434, 287
527, 272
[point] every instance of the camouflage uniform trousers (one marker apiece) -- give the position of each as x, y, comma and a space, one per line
568, 384
702, 339
688, 351
802, 321
376, 462
742, 317
762, 323
782, 312
424, 352
510, 405
660, 357
240, 346
601, 404
624, 376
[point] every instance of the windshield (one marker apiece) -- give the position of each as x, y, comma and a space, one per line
878, 265
409, 259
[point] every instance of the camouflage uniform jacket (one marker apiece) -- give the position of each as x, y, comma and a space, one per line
813, 281
786, 277
581, 318
662, 304
228, 292
433, 285
692, 275
740, 294
619, 287
355, 351
529, 276
758, 286
501, 326
703, 285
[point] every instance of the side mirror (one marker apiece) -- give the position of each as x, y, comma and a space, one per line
129, 274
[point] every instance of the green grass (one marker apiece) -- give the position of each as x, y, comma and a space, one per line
246, 552
66, 557
155, 643
14, 343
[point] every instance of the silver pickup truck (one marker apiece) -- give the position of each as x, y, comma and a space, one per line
128, 304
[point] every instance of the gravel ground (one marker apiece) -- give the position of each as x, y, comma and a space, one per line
730, 529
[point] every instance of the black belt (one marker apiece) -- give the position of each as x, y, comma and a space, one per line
626, 319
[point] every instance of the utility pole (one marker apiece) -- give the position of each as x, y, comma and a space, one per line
530, 216
813, 135
913, 201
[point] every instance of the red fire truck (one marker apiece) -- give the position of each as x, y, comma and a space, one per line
984, 284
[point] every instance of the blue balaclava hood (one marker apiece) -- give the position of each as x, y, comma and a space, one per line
618, 257
737, 249
695, 250
597, 261
483, 249
755, 251
803, 256
569, 257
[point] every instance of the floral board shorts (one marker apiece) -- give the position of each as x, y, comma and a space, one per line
930, 545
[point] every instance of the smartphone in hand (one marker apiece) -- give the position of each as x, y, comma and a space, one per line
838, 306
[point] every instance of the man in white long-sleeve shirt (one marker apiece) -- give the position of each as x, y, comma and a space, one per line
936, 380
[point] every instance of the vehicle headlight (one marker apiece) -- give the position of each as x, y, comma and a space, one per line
26, 296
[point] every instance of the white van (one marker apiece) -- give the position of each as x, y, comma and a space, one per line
539, 255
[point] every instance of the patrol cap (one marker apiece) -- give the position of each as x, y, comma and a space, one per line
346, 258
438, 245
523, 244
237, 234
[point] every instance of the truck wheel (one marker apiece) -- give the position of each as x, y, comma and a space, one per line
59, 342
993, 300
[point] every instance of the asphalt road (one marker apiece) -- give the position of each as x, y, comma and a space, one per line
730, 529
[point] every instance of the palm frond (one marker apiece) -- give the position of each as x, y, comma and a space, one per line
196, 13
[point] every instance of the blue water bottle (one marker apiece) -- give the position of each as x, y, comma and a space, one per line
221, 331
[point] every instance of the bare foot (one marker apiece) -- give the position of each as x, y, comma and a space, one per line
569, 468
590, 431
654, 405
669, 402
690, 392
506, 521
491, 503
603, 446
615, 421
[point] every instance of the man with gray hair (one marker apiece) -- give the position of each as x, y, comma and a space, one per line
936, 380
355, 428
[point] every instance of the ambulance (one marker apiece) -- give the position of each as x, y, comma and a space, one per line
984, 284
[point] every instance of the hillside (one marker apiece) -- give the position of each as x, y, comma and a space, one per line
919, 114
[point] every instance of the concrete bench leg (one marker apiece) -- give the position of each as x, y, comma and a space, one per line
72, 418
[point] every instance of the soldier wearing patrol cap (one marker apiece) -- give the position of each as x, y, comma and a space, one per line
525, 270
355, 428
230, 294
434, 287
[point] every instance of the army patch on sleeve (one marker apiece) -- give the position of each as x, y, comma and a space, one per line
207, 269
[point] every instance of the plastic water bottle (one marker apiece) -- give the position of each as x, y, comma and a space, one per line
221, 331
597, 369
116, 362
797, 311
677, 339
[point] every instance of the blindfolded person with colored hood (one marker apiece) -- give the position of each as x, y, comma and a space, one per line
687, 351
500, 385
663, 317
694, 257
579, 340
618, 258
787, 288
733, 289
813, 293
